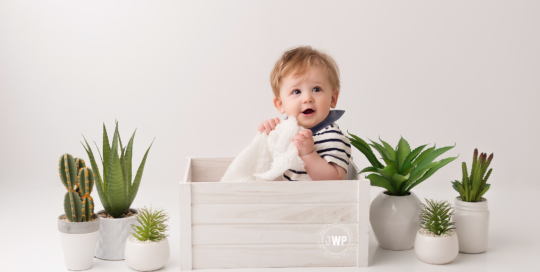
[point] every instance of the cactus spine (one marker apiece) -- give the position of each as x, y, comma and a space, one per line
79, 181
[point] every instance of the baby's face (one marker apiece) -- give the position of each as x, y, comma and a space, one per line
308, 97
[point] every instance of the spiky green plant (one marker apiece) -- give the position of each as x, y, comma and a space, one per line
116, 190
473, 187
435, 217
153, 225
404, 169
79, 181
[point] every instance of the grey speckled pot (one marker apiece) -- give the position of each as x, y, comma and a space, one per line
112, 237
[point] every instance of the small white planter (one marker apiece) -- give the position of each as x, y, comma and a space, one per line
147, 257
112, 236
436, 250
472, 225
395, 220
78, 242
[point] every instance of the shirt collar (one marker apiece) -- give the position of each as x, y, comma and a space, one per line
333, 116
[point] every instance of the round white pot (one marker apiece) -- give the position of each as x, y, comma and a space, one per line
436, 250
147, 257
78, 242
472, 225
395, 220
112, 236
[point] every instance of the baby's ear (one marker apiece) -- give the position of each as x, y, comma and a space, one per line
335, 95
279, 105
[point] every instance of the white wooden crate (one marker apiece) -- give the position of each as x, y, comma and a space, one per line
266, 224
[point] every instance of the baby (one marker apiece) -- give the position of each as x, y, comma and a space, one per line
306, 85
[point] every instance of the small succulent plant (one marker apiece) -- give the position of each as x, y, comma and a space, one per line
435, 217
405, 168
79, 181
473, 187
153, 225
117, 187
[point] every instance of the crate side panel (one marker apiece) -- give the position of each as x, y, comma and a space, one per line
265, 256
335, 191
274, 213
209, 169
261, 233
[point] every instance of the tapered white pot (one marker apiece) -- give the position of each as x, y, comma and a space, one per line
147, 257
472, 225
112, 236
78, 242
436, 250
395, 220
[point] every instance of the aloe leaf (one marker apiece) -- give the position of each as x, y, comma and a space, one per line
432, 171
387, 172
383, 182
368, 169
363, 147
433, 155
389, 149
406, 168
381, 150
99, 184
402, 152
128, 157
138, 177
106, 156
414, 153
115, 181
417, 173
399, 180
422, 155
389, 162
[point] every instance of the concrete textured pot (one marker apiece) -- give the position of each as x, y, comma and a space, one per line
436, 250
472, 224
78, 242
112, 236
147, 257
395, 220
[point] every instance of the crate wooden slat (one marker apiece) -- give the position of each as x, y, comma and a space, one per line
266, 224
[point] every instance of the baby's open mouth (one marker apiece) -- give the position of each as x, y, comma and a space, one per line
308, 111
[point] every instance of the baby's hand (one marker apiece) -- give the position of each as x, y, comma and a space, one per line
304, 142
268, 125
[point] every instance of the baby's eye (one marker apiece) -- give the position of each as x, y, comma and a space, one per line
316, 89
296, 92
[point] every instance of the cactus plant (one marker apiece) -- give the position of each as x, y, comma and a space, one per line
473, 187
79, 181
404, 168
116, 190
435, 217
152, 225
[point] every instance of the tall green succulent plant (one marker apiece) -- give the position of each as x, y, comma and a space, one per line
79, 181
473, 187
405, 168
116, 190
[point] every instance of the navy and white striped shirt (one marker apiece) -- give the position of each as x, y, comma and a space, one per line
330, 143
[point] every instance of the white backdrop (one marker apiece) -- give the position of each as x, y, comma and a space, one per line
195, 75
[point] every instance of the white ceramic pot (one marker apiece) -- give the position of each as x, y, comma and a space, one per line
147, 257
472, 225
436, 250
112, 236
395, 220
78, 242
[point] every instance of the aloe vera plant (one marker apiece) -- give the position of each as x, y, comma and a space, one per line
435, 217
405, 168
153, 225
473, 187
116, 190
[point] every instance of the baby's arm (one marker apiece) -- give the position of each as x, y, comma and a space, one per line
316, 167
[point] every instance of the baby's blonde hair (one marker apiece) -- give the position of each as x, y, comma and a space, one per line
297, 61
